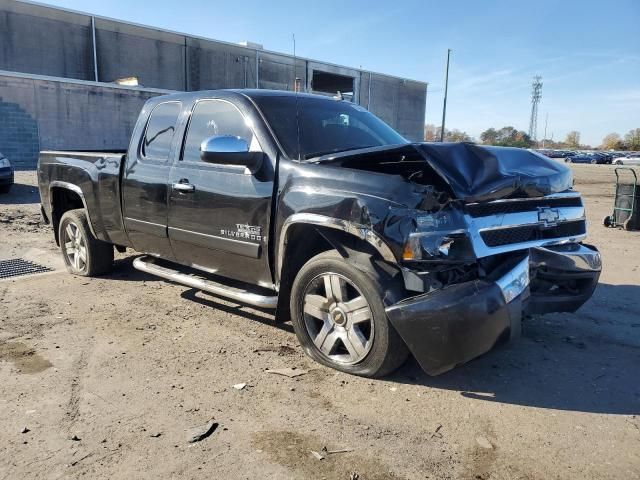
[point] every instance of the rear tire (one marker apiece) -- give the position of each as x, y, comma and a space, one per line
568, 160
340, 320
607, 221
83, 254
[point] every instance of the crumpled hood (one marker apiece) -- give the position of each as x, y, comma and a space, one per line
478, 173
474, 173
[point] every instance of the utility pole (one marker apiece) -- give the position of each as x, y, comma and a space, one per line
446, 88
546, 121
536, 95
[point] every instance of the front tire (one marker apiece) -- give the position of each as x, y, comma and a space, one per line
83, 254
340, 320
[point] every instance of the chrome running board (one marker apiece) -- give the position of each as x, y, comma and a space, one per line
148, 265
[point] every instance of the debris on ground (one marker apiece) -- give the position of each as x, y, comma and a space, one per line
281, 350
288, 372
437, 433
354, 476
197, 434
155, 435
326, 451
484, 442
75, 462
25, 430
75, 438
317, 455
239, 386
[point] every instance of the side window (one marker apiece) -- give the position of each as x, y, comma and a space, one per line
210, 118
160, 130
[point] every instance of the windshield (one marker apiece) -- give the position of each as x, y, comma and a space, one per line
326, 126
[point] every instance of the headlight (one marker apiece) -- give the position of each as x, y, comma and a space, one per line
453, 245
439, 236
4, 163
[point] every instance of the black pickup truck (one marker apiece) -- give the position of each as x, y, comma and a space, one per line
372, 246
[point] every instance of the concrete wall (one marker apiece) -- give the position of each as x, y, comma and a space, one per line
41, 40
212, 65
45, 41
155, 57
396, 101
65, 115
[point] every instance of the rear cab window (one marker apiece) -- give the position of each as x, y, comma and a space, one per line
161, 128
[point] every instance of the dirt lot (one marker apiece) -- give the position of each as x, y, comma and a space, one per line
109, 375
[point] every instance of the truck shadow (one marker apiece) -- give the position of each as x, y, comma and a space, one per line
265, 317
587, 361
124, 271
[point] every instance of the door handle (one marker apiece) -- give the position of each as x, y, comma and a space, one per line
184, 187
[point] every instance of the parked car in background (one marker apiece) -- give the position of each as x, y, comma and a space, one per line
606, 157
553, 153
6, 174
635, 160
582, 157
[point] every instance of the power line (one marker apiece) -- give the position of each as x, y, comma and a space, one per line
536, 95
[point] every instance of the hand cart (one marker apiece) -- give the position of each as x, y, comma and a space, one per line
626, 208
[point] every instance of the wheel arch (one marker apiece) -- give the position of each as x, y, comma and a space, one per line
66, 196
304, 236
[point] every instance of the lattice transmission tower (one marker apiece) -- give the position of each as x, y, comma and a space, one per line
536, 95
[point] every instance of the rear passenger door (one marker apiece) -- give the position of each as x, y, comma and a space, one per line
145, 190
221, 224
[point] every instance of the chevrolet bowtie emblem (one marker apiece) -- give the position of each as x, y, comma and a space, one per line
548, 215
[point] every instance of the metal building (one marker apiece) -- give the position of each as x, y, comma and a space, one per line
58, 70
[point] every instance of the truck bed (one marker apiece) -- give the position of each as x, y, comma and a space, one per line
94, 179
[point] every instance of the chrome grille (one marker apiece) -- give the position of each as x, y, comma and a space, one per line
530, 233
521, 205
516, 224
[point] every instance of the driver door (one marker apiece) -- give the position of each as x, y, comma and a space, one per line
219, 214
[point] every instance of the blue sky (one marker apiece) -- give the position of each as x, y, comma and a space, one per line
588, 52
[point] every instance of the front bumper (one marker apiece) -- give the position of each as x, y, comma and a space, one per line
451, 326
6, 176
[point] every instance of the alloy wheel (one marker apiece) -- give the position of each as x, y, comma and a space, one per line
338, 319
75, 247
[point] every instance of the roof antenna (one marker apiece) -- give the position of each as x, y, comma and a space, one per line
296, 88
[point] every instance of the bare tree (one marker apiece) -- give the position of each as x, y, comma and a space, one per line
613, 141
632, 139
572, 139
431, 133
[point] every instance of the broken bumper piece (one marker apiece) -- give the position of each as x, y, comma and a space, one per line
451, 326
563, 277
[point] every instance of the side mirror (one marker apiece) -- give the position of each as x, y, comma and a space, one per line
229, 150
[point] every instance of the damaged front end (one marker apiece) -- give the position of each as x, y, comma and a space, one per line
477, 280
496, 235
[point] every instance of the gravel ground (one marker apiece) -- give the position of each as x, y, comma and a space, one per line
108, 377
